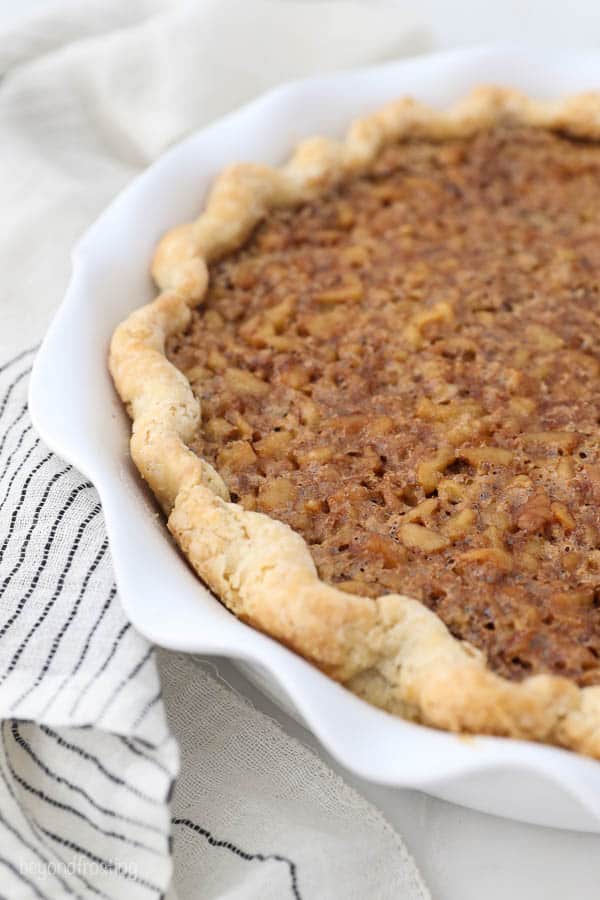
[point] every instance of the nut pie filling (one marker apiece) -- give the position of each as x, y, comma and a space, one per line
406, 371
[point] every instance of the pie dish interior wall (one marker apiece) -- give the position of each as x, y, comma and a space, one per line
81, 419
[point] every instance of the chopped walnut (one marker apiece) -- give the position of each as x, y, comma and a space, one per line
535, 513
420, 538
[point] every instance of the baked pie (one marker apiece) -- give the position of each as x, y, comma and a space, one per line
367, 398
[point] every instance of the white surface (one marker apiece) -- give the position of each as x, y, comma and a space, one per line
534, 783
465, 855
462, 854
14, 10
541, 23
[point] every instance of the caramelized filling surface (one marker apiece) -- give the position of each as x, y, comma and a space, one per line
407, 372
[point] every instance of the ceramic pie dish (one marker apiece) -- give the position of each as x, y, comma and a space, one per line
376, 760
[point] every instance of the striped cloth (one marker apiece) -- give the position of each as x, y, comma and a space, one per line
78, 816
127, 772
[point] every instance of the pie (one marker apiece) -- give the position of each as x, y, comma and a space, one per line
393, 340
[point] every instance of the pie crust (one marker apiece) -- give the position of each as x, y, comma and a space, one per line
391, 650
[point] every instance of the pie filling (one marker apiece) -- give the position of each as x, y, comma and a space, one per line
407, 372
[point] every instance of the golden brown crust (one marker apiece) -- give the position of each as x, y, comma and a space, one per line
392, 650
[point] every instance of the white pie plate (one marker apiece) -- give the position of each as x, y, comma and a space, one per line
76, 411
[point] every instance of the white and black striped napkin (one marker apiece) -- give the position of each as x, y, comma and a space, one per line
79, 814
127, 772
